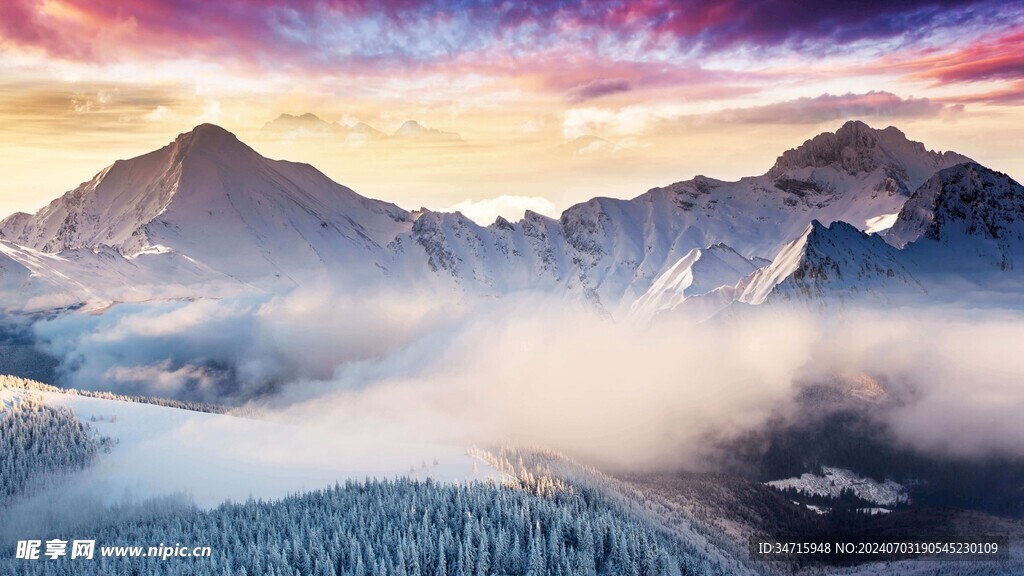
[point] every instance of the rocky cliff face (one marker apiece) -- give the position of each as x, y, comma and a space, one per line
857, 148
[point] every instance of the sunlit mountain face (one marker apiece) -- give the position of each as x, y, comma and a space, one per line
498, 107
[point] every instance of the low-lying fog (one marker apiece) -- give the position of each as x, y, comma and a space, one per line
546, 372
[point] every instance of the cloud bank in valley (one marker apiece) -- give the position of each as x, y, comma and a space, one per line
540, 371
235, 348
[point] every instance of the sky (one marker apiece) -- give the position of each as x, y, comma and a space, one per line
522, 105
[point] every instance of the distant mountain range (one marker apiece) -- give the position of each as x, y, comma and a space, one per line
287, 125
207, 215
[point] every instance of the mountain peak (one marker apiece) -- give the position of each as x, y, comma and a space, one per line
414, 130
409, 128
699, 272
835, 261
853, 127
207, 138
966, 201
856, 148
208, 130
206, 184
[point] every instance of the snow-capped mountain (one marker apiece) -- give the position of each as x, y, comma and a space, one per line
590, 146
503, 257
611, 251
207, 210
699, 272
214, 200
961, 231
833, 263
968, 212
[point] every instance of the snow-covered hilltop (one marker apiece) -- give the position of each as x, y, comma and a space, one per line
207, 214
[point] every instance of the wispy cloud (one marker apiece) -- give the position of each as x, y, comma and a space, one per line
598, 88
325, 34
829, 107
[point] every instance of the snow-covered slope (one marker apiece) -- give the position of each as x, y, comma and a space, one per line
215, 200
967, 217
699, 272
616, 249
833, 263
14, 277
212, 208
158, 450
34, 280
961, 234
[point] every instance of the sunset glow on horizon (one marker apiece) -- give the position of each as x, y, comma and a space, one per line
517, 105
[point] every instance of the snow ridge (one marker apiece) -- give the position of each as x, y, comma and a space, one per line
211, 206
969, 208
837, 263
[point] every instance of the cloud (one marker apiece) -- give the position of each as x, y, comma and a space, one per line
829, 107
531, 126
41, 110
998, 59
25, 24
347, 34
627, 121
162, 379
235, 348
597, 89
639, 119
1011, 95
818, 27
953, 376
512, 208
539, 370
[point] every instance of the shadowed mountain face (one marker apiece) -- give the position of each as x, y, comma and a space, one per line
969, 212
208, 210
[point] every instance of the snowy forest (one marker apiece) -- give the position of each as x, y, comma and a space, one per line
530, 523
401, 528
540, 514
19, 383
38, 442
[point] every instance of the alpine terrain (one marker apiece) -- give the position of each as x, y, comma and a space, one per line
207, 215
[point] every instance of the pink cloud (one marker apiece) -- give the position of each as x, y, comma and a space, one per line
1000, 59
829, 107
580, 49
